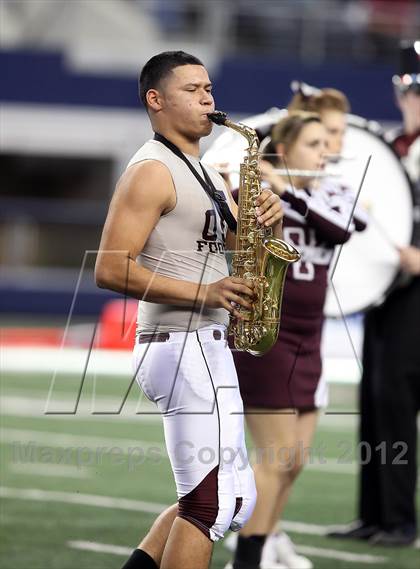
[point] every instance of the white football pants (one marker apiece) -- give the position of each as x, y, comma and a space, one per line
192, 379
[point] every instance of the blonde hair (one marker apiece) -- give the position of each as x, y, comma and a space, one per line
287, 130
327, 99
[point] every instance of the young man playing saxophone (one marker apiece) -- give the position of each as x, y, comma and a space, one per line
173, 236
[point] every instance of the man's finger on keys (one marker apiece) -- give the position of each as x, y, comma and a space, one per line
239, 300
243, 289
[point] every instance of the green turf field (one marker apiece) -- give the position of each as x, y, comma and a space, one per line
61, 483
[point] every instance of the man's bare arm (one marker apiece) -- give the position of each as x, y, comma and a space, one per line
143, 194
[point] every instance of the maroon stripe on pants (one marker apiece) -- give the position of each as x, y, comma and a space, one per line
201, 506
238, 506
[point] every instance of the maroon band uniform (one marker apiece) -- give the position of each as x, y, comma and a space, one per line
315, 221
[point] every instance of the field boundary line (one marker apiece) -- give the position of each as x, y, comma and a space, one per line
97, 547
24, 404
82, 499
32, 406
64, 439
134, 505
38, 359
50, 469
340, 555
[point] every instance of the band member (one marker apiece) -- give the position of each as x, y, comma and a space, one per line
331, 104
163, 243
280, 389
390, 386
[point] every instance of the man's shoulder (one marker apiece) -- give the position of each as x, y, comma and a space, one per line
146, 169
150, 150
149, 182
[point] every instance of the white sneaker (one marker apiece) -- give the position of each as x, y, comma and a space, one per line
265, 564
269, 552
286, 552
230, 542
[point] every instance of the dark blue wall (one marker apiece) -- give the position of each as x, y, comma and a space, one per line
27, 300
241, 85
43, 77
255, 85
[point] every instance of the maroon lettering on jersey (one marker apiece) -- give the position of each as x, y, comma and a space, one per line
213, 234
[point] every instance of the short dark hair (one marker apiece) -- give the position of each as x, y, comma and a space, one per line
159, 66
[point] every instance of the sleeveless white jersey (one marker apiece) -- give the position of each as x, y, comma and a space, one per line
188, 244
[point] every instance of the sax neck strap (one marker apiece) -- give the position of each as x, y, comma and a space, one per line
216, 196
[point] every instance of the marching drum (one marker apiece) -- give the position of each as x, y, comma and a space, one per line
365, 268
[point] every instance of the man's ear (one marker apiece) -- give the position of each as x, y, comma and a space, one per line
154, 100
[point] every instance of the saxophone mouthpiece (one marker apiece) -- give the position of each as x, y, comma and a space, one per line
218, 117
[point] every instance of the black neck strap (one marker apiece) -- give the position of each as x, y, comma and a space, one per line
217, 197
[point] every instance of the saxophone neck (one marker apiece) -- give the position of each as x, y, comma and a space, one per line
220, 118
246, 131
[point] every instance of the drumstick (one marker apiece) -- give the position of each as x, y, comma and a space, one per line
383, 232
367, 206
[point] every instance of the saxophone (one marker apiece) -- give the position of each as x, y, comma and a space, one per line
258, 256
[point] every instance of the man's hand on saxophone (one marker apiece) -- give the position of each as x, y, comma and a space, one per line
229, 293
269, 209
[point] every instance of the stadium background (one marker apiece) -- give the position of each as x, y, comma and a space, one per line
83, 470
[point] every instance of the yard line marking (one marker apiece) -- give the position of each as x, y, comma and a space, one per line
50, 469
302, 527
332, 466
89, 408
315, 551
31, 405
65, 360
341, 555
63, 440
133, 505
38, 359
314, 529
101, 547
82, 499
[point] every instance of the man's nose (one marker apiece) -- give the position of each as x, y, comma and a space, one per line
207, 99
